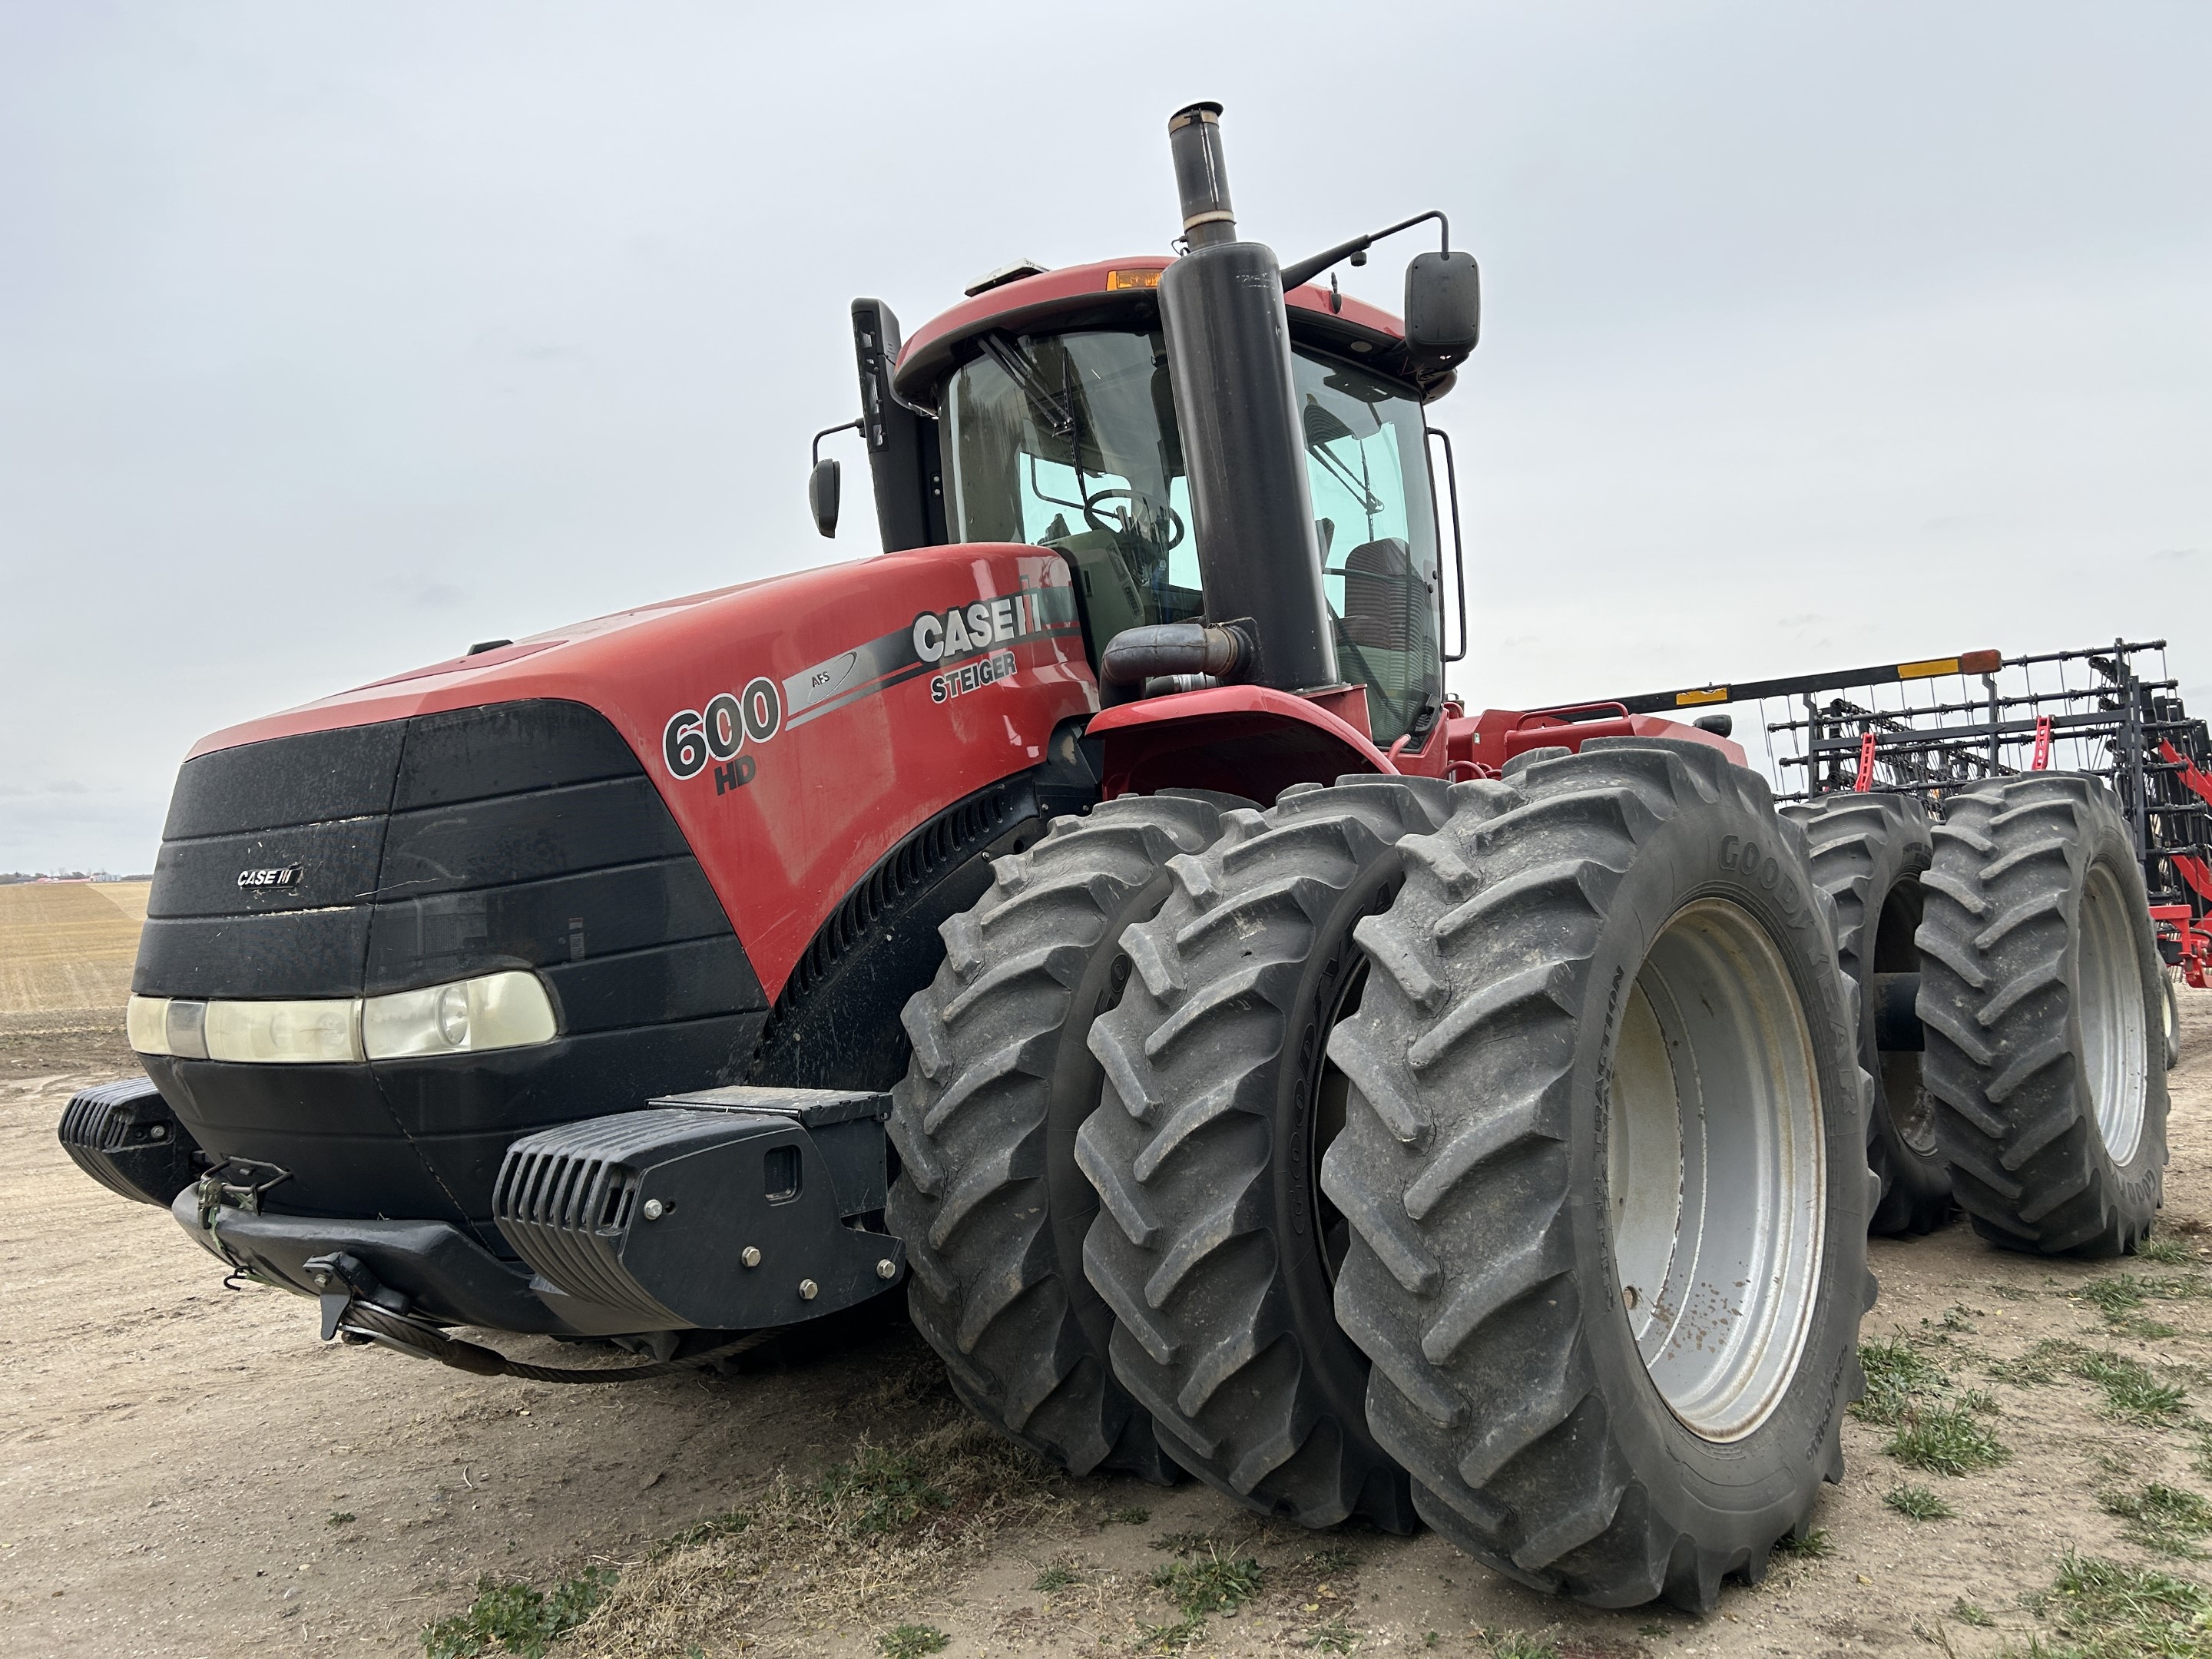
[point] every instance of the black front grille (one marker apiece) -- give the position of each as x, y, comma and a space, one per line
521, 835
517, 835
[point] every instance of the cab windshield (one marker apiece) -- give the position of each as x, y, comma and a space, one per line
1068, 441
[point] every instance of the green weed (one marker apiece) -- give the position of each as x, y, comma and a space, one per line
2121, 1294
1967, 1613
2118, 1298
1916, 1504
2046, 1361
2112, 1611
2168, 1251
1897, 1375
1946, 1441
913, 1641
1199, 1588
893, 1489
2167, 1519
2131, 1393
1135, 1515
1813, 1546
341, 1518
1334, 1636
520, 1619
1056, 1577
1517, 1645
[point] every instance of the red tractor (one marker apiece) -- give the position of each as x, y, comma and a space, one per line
1094, 913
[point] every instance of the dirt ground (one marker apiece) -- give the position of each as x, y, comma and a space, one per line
185, 1471
68, 945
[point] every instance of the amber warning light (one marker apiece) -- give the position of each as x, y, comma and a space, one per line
1121, 279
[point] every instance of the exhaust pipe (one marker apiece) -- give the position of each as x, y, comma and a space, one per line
1229, 355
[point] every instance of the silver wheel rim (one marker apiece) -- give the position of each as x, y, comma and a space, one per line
1716, 1169
2115, 1028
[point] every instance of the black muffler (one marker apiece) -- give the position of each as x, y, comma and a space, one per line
1229, 353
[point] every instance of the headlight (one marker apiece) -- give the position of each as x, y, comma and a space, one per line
508, 1009
496, 1010
284, 1033
164, 1025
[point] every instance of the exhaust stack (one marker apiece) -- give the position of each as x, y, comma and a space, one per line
1229, 353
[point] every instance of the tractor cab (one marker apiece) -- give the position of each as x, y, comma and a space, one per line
1045, 413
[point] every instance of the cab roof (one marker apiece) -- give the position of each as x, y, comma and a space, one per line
1123, 294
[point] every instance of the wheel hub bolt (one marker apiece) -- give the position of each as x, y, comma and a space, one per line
887, 1268
749, 1255
808, 1289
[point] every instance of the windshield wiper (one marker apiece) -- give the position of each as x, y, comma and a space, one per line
1059, 415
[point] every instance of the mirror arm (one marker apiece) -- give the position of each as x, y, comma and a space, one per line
1304, 271
847, 426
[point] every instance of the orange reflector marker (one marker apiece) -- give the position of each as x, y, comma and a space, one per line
1711, 694
1981, 662
1121, 279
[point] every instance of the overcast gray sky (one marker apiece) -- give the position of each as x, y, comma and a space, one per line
332, 338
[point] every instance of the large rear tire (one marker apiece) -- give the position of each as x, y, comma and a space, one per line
1211, 1244
989, 1199
1869, 852
2040, 995
1605, 1165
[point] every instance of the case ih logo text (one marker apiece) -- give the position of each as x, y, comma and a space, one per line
721, 732
956, 633
287, 875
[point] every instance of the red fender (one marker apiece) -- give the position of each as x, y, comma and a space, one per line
1239, 739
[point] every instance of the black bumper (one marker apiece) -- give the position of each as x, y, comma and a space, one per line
443, 1272
734, 1209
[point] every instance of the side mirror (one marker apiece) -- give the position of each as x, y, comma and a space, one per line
1443, 308
822, 485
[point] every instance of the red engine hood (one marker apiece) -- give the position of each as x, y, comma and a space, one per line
878, 711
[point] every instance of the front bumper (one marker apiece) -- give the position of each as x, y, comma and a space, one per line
731, 1209
443, 1272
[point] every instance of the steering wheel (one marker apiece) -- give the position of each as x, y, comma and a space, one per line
1099, 522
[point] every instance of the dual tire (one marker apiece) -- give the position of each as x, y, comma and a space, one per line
1214, 1244
1420, 1163
2044, 1003
1605, 1163
1869, 852
989, 1199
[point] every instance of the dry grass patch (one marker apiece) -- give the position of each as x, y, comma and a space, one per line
839, 1552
